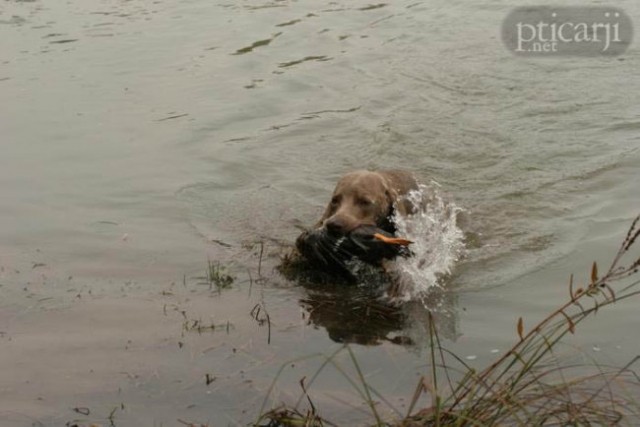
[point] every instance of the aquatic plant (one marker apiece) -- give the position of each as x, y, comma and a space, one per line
217, 276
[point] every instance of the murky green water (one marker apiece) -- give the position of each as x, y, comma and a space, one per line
140, 139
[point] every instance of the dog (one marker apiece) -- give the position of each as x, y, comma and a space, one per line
361, 209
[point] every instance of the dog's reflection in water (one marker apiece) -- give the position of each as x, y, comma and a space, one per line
356, 314
351, 316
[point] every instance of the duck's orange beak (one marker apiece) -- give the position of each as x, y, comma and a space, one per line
392, 240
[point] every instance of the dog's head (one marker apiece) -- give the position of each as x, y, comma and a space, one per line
360, 199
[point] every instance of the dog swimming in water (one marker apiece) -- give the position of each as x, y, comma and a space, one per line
358, 221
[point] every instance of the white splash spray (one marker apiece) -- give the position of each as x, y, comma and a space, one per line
437, 244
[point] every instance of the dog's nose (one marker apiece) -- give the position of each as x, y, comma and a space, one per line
336, 226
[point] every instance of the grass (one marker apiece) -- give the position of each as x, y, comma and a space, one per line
217, 276
524, 386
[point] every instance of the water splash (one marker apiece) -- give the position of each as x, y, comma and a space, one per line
438, 244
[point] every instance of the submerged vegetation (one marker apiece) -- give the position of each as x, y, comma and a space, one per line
524, 386
217, 276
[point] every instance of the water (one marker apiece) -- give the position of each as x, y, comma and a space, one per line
140, 140
438, 244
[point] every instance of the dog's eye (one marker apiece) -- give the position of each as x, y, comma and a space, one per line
335, 200
364, 202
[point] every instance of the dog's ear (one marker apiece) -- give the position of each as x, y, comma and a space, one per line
329, 210
397, 204
399, 184
386, 222
327, 213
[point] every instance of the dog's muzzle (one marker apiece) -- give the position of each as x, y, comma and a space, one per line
330, 250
